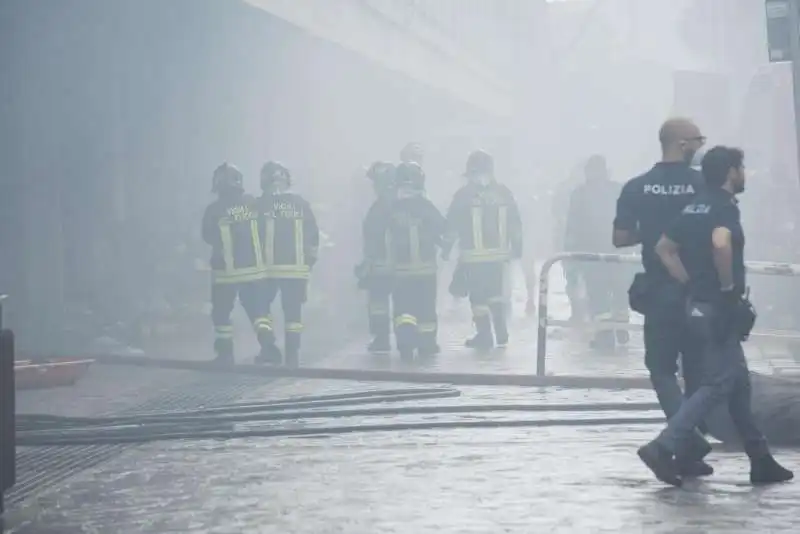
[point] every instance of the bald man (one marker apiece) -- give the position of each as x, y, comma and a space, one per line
646, 207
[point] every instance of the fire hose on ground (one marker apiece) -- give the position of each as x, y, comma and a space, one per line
226, 422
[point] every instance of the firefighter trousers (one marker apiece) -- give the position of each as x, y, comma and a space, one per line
223, 298
379, 293
293, 296
415, 320
485, 283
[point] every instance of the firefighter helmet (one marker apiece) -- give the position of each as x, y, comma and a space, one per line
271, 172
412, 153
227, 177
381, 173
409, 176
479, 163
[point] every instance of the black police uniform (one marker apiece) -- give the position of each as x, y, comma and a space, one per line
231, 226
721, 321
648, 204
485, 221
291, 247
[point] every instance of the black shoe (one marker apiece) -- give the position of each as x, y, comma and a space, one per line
379, 345
694, 469
479, 342
766, 470
660, 462
269, 355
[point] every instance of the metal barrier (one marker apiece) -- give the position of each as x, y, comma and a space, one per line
7, 411
753, 267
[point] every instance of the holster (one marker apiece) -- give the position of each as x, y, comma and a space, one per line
745, 318
640, 294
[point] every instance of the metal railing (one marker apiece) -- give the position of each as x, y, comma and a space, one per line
753, 267
7, 410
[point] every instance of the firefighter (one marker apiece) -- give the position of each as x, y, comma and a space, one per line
415, 229
374, 273
485, 221
231, 227
291, 246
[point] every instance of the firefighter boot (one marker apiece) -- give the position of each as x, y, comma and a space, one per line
224, 350
292, 344
381, 343
270, 354
428, 346
406, 342
483, 340
500, 323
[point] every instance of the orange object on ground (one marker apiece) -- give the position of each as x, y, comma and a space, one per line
51, 374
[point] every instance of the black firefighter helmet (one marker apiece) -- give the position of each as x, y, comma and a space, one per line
409, 177
382, 174
273, 172
227, 177
479, 163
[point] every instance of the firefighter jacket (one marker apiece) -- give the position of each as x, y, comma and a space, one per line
377, 248
231, 227
486, 223
414, 229
290, 236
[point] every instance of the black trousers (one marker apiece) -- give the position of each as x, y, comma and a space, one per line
415, 319
667, 337
485, 286
223, 298
379, 292
293, 292
726, 379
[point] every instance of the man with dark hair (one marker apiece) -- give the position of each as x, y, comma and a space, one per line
703, 250
645, 208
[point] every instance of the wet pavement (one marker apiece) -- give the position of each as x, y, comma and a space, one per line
511, 480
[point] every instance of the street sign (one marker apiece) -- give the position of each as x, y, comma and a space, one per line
779, 30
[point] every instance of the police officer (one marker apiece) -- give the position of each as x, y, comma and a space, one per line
484, 219
375, 271
291, 246
415, 229
231, 227
590, 211
703, 250
645, 208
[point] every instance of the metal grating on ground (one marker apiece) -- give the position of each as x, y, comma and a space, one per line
42, 468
